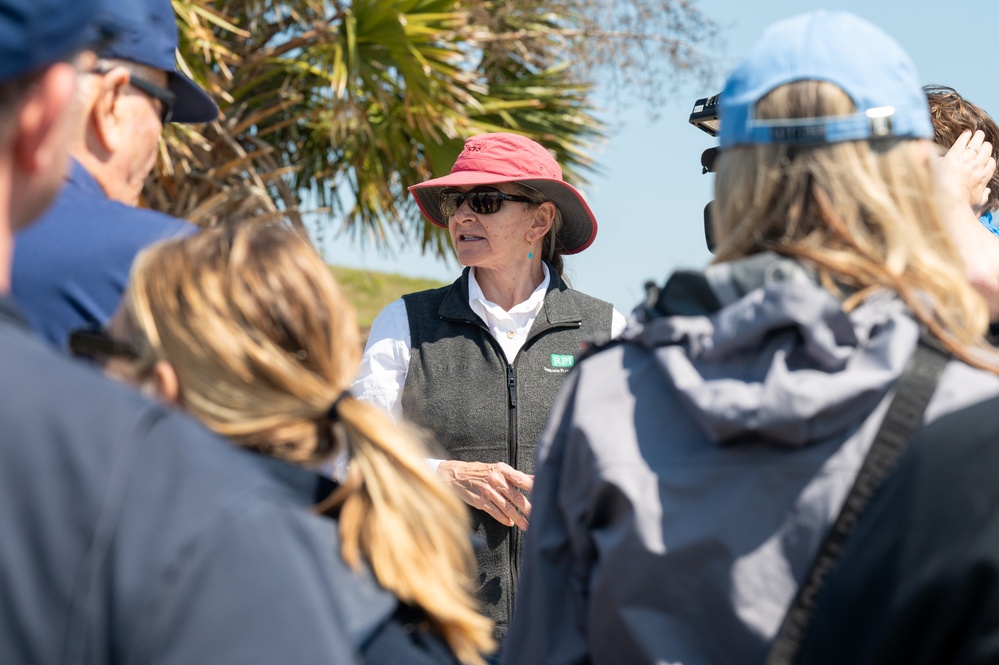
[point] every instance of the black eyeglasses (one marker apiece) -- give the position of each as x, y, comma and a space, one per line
165, 97
96, 345
482, 200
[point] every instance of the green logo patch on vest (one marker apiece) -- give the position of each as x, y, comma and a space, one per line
559, 360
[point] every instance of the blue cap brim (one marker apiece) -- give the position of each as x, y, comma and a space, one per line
193, 104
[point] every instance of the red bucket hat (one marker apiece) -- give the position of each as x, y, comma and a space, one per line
488, 159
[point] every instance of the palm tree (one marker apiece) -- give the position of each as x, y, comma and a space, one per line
334, 107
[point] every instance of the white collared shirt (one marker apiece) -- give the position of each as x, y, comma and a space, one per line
386, 357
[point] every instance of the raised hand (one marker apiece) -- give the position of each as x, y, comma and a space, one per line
966, 170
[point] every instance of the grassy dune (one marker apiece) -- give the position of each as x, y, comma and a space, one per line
370, 291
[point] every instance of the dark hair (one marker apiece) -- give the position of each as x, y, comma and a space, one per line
953, 114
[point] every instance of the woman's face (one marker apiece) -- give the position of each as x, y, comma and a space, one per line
498, 240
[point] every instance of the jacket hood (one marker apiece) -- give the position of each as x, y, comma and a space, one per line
772, 355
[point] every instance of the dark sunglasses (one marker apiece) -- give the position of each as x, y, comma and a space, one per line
482, 200
165, 97
96, 345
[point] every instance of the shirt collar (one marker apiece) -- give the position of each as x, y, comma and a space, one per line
81, 177
477, 301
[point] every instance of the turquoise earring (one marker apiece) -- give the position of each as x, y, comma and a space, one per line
530, 255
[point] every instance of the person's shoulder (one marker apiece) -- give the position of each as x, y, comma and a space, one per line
83, 438
922, 557
587, 299
143, 223
949, 469
70, 411
559, 288
961, 385
92, 471
962, 439
36, 375
169, 470
563, 301
81, 211
79, 218
431, 295
392, 311
450, 300
630, 352
60, 404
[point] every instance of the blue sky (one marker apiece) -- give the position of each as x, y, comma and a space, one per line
650, 196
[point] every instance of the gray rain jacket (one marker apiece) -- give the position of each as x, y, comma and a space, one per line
689, 472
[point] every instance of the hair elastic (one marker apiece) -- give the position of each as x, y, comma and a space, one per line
333, 413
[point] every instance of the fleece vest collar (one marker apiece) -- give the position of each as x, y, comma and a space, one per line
560, 308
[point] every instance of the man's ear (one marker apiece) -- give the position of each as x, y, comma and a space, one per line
166, 383
40, 139
105, 113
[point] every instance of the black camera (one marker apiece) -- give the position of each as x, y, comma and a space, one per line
705, 117
662, 301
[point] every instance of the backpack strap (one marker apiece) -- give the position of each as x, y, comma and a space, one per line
905, 415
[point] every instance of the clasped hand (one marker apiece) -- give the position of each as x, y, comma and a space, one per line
493, 488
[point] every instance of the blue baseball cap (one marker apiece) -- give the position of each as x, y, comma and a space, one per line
832, 46
151, 40
37, 33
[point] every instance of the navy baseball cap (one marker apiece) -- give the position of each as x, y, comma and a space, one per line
37, 33
832, 46
152, 41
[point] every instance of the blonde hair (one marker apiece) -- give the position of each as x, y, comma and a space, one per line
864, 214
263, 343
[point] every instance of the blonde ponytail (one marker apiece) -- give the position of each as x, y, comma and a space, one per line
396, 516
263, 343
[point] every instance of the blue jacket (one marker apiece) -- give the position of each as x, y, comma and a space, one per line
71, 266
129, 534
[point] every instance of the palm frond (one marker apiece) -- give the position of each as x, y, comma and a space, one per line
334, 107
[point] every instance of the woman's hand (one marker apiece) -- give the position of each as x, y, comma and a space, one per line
964, 174
966, 170
494, 488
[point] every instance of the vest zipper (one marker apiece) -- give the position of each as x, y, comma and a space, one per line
512, 441
511, 384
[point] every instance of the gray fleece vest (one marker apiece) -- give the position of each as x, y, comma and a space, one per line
482, 408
